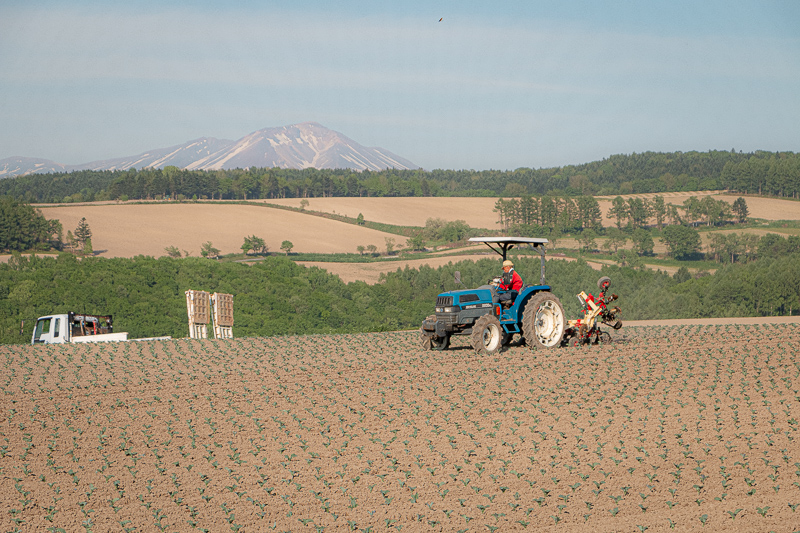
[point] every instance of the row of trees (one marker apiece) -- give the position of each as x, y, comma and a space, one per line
641, 212
776, 175
251, 244
568, 214
684, 242
648, 172
278, 297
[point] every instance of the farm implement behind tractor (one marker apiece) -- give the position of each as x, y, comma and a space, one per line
534, 314
596, 311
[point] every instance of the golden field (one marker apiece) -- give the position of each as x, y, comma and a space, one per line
479, 212
128, 230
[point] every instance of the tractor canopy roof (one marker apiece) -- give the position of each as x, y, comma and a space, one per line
510, 240
504, 244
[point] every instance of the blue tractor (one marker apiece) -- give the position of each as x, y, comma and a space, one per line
536, 314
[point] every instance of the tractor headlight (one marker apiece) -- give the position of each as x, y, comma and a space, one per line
447, 309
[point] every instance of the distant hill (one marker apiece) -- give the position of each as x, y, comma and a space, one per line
297, 146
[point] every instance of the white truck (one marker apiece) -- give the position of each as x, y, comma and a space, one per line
74, 327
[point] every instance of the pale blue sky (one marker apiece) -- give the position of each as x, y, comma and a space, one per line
493, 85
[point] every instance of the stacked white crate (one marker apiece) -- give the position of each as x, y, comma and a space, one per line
223, 315
197, 306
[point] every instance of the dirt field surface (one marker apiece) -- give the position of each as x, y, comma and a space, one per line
688, 427
127, 230
130, 230
370, 272
477, 212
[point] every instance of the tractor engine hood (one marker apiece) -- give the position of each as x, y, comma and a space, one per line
453, 301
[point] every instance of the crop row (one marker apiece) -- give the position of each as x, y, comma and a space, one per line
685, 427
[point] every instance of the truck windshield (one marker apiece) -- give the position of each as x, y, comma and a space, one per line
42, 326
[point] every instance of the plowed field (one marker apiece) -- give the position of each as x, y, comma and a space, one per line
130, 230
691, 427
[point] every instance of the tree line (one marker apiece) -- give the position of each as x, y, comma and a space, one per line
278, 297
549, 212
649, 172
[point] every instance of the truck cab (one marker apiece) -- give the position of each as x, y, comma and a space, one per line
72, 327
50, 330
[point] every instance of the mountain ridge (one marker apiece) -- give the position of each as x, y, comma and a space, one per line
303, 145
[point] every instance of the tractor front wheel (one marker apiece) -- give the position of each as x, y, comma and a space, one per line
487, 335
440, 343
543, 321
432, 342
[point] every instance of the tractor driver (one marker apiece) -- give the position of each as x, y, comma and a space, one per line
512, 284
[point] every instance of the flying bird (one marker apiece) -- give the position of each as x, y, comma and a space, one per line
441, 19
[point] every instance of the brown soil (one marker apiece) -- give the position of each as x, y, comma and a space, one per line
683, 426
127, 230
477, 212
370, 272
131, 230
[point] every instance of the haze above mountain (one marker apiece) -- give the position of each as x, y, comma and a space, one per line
297, 146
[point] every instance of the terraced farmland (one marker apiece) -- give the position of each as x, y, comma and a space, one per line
684, 427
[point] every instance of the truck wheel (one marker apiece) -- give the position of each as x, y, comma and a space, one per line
543, 321
487, 335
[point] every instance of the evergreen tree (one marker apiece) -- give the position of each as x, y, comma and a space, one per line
740, 209
658, 209
618, 211
83, 233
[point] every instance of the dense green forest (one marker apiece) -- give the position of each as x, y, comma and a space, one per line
24, 228
278, 297
770, 173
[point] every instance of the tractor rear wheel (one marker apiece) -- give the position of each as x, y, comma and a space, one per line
543, 321
487, 335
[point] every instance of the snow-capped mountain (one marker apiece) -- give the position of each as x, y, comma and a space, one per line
303, 145
20, 166
180, 156
297, 146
